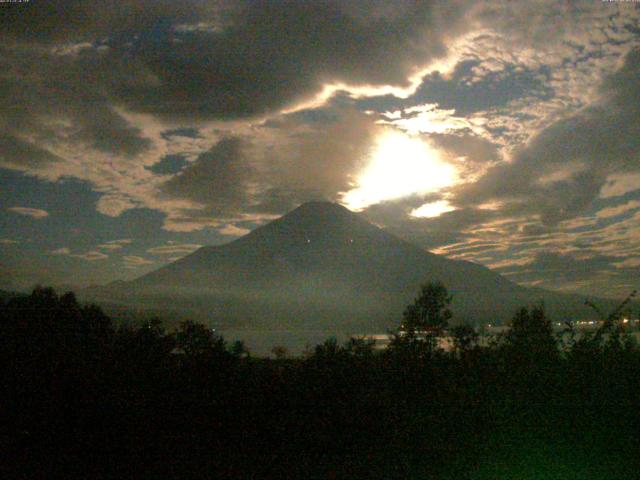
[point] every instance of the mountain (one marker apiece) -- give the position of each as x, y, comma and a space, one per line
323, 267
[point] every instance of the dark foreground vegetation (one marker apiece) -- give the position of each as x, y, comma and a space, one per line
83, 399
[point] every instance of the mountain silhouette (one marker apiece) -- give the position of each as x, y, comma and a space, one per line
322, 266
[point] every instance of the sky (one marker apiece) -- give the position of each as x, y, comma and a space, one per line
503, 133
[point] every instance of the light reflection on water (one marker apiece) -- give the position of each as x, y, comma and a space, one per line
261, 342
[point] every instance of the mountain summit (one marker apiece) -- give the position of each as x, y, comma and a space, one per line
322, 266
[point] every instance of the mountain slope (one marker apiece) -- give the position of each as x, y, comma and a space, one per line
324, 267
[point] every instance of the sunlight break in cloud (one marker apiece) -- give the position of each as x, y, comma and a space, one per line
434, 209
426, 119
30, 212
400, 166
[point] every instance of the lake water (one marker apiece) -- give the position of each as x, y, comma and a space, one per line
260, 342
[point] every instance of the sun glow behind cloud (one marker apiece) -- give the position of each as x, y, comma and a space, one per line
434, 209
400, 166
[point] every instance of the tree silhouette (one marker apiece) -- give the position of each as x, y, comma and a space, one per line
360, 347
465, 338
196, 340
423, 321
531, 336
74, 387
612, 334
280, 352
429, 312
240, 350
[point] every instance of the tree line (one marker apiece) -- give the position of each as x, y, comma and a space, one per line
83, 397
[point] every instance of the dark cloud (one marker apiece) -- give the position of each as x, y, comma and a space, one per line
317, 160
70, 106
228, 59
561, 171
58, 21
570, 267
17, 153
169, 164
564, 270
181, 132
218, 179
464, 144
448, 228
278, 165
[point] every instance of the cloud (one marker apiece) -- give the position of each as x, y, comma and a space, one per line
183, 248
618, 209
114, 205
115, 244
271, 168
426, 118
313, 160
628, 263
16, 152
30, 212
576, 154
603, 275
85, 20
136, 261
469, 146
40, 119
218, 178
569, 266
433, 209
91, 256
482, 82
448, 227
233, 231
619, 184
252, 57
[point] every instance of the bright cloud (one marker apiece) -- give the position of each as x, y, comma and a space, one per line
399, 166
434, 209
91, 256
30, 212
136, 261
174, 249
115, 244
233, 231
